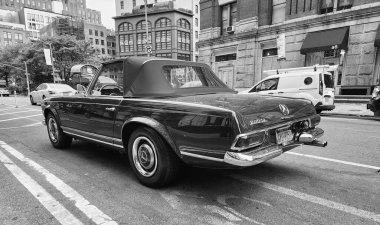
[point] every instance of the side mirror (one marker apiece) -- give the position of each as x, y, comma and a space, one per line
81, 88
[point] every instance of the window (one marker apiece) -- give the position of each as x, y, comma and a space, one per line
102, 42
96, 41
344, 4
183, 23
7, 38
101, 34
163, 22
327, 6
196, 9
126, 43
266, 85
269, 52
141, 25
121, 4
185, 57
308, 81
331, 53
113, 75
196, 22
96, 33
183, 40
189, 77
90, 31
103, 51
196, 35
329, 81
222, 58
163, 39
141, 41
229, 16
125, 27
92, 40
18, 38
108, 44
164, 55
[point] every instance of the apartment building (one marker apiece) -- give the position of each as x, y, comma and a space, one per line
241, 38
170, 32
11, 33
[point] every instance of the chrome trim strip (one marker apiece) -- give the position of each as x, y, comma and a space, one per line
85, 137
202, 157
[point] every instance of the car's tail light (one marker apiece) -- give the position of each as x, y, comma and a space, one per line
246, 141
320, 85
376, 92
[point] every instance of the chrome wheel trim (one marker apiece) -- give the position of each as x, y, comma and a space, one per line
53, 129
144, 156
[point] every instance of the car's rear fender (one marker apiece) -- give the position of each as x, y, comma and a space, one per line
131, 124
48, 109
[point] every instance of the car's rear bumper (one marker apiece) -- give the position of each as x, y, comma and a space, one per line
324, 107
256, 156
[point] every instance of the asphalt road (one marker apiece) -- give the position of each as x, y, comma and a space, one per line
89, 184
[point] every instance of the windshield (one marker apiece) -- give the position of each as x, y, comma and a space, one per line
329, 82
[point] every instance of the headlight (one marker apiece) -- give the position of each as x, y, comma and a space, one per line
246, 141
376, 92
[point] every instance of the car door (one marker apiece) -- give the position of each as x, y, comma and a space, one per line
92, 115
266, 87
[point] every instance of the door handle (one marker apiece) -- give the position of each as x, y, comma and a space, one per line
111, 109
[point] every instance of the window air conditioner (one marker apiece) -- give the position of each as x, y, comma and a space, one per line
230, 29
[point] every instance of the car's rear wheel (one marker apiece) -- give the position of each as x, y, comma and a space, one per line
57, 138
152, 160
32, 100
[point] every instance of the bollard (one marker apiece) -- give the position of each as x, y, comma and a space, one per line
16, 100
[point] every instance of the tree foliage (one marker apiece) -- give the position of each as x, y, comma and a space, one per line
67, 52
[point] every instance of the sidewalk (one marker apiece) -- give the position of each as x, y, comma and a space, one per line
353, 110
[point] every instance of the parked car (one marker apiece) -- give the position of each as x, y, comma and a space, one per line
3, 89
313, 83
46, 90
374, 102
159, 121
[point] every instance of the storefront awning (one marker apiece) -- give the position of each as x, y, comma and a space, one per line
325, 40
377, 39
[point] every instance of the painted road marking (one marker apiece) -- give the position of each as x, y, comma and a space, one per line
24, 117
335, 160
91, 211
48, 201
29, 125
310, 198
30, 110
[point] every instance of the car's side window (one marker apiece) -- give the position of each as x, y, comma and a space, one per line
266, 85
39, 87
110, 81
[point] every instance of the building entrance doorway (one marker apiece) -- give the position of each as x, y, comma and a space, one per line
226, 74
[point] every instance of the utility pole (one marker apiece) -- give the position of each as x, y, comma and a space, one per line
27, 78
146, 27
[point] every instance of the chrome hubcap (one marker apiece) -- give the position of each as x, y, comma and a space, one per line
53, 130
144, 156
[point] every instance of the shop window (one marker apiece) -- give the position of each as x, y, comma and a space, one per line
270, 52
229, 18
344, 4
222, 58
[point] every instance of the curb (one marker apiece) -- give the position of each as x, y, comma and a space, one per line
351, 116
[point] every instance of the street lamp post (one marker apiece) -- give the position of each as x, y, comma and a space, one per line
146, 26
26, 73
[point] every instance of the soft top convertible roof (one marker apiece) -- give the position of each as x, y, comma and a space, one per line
143, 76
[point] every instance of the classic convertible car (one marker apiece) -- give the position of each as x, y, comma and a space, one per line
163, 112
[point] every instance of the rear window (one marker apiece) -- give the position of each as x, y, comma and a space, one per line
329, 82
189, 77
60, 86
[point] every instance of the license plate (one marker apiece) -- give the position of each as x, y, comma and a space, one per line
284, 136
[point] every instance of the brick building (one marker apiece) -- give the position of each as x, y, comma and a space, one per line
170, 28
241, 38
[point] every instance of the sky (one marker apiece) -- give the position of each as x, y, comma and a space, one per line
108, 10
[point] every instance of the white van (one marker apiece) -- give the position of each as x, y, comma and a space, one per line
314, 83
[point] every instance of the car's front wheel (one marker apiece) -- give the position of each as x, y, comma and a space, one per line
57, 138
152, 160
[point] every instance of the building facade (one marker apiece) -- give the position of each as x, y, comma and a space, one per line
170, 32
242, 38
11, 33
126, 6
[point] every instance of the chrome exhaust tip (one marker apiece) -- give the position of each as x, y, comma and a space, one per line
317, 143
